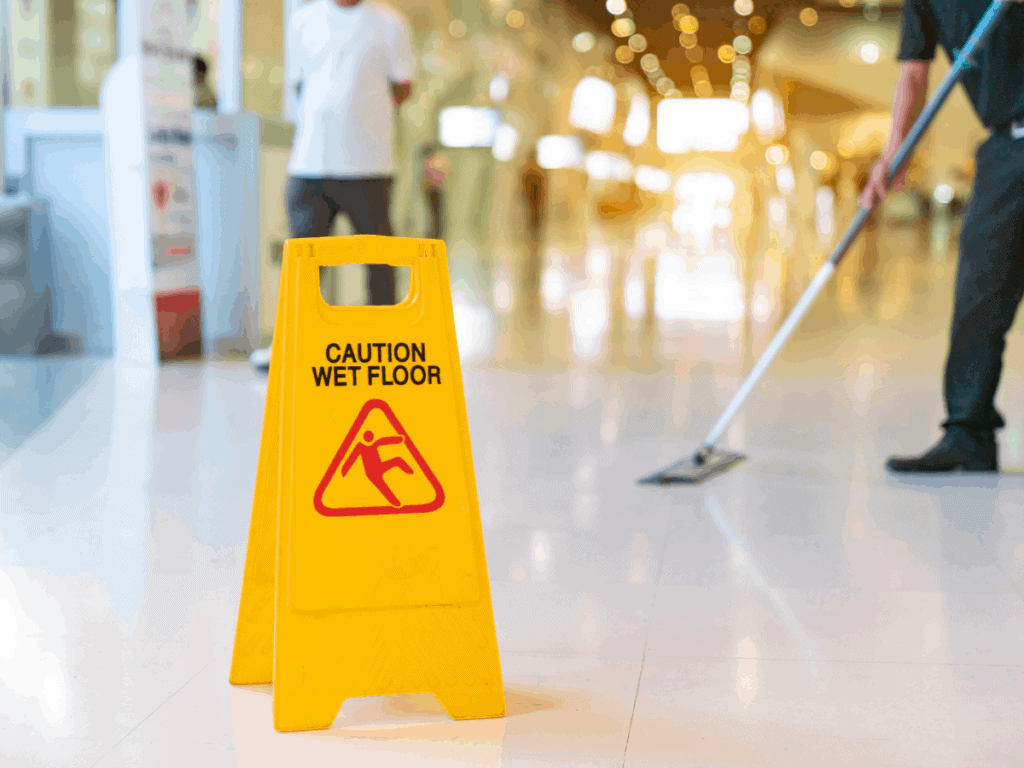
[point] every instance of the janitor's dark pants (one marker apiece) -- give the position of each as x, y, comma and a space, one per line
314, 204
989, 284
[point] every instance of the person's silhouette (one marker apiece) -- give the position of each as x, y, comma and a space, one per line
374, 466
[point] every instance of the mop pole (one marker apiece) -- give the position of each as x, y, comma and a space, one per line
964, 61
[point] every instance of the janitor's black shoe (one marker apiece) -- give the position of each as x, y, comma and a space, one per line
960, 450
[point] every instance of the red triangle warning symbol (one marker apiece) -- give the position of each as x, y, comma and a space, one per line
377, 470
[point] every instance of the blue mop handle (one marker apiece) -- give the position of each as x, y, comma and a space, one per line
964, 60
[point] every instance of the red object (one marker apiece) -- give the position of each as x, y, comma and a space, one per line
178, 324
375, 468
161, 194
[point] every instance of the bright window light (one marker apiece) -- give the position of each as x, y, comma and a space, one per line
638, 122
709, 293
593, 105
468, 126
498, 89
702, 125
608, 165
506, 139
767, 114
559, 152
651, 179
710, 187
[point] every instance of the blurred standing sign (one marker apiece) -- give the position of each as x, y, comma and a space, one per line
169, 90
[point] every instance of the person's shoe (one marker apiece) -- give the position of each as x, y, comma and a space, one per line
260, 359
959, 450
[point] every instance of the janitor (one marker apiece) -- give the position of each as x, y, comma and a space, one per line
990, 276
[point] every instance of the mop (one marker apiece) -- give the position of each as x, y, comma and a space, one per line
708, 461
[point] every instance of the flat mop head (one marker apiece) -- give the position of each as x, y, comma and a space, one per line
693, 469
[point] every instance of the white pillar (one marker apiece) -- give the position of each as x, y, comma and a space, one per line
288, 103
229, 57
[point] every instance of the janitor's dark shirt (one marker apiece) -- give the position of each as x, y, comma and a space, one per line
996, 86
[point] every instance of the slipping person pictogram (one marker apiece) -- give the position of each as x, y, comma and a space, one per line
374, 466
415, 489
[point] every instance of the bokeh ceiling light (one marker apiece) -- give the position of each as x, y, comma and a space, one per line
623, 55
819, 160
457, 28
649, 62
515, 19
687, 40
675, 93
726, 54
776, 154
664, 85
680, 9
870, 52
742, 44
808, 17
689, 24
616, 7
498, 89
757, 25
623, 27
506, 139
743, 7
593, 105
583, 42
637, 43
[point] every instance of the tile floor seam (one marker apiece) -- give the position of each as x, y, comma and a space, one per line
643, 657
155, 710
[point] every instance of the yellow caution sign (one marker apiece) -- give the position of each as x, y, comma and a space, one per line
365, 573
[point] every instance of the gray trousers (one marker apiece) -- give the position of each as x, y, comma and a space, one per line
314, 204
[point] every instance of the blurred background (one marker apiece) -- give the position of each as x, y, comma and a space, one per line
643, 185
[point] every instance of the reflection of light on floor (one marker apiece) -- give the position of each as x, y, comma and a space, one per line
597, 261
633, 297
709, 293
762, 305
554, 285
26, 670
638, 559
589, 321
503, 293
540, 552
474, 326
746, 672
585, 500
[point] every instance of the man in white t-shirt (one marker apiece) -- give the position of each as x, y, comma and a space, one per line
350, 64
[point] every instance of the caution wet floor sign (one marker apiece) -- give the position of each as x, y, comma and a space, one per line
365, 573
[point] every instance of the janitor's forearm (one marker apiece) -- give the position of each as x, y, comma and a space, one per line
908, 101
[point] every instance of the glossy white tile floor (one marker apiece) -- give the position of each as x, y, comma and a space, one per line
803, 609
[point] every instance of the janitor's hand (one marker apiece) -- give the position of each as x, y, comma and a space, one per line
875, 191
